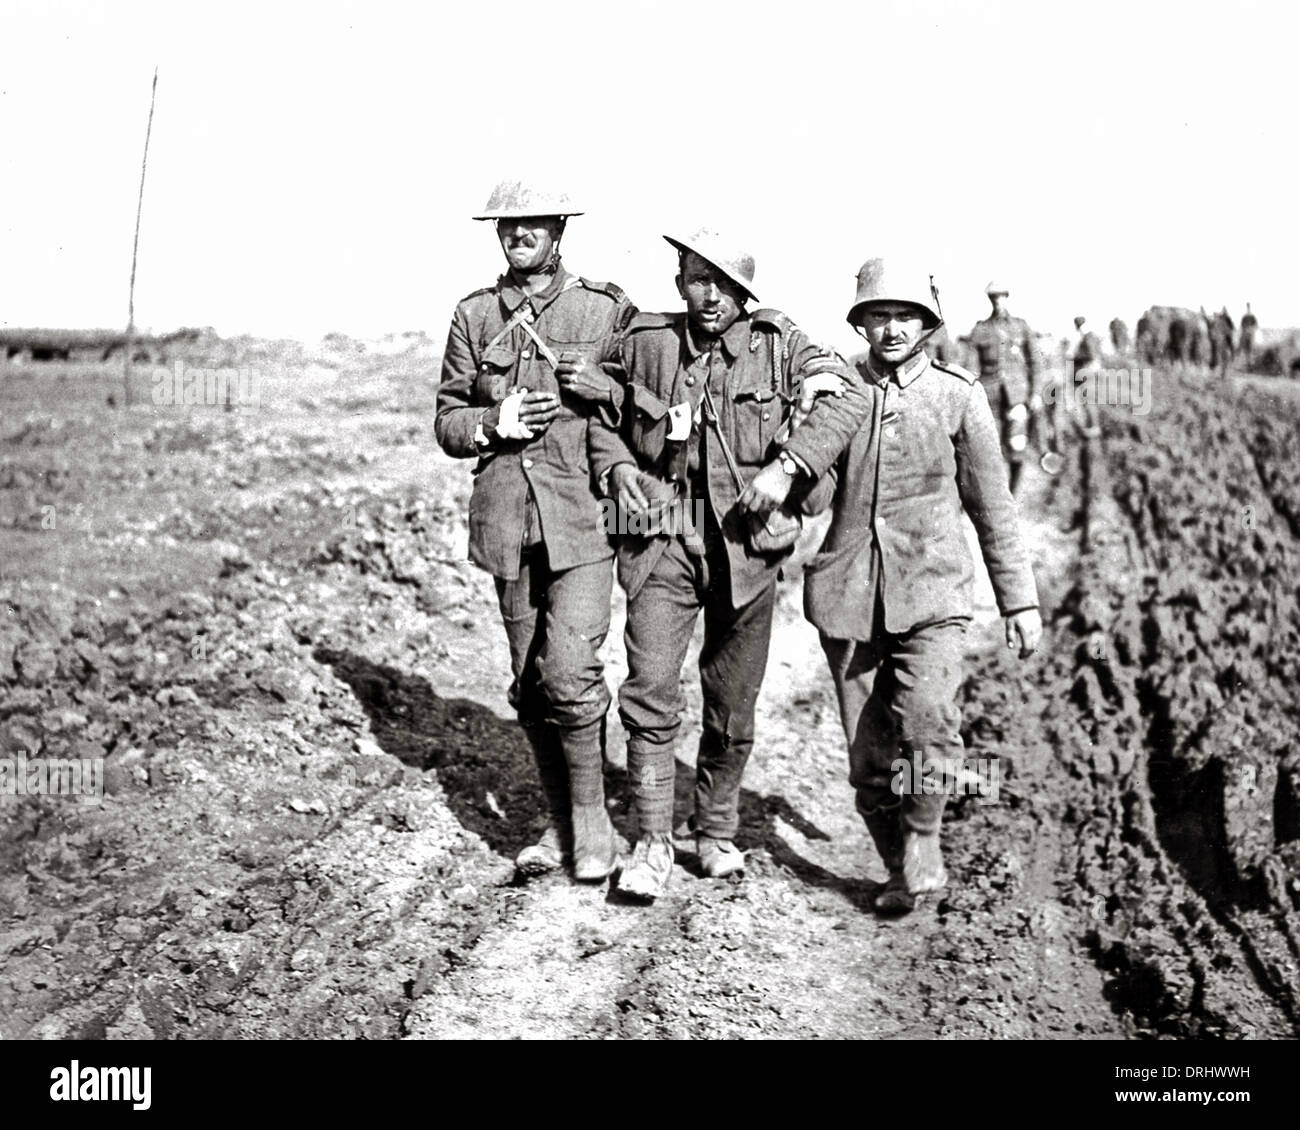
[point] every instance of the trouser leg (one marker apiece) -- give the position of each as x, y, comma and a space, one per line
572, 676
523, 613
925, 667
660, 620
732, 663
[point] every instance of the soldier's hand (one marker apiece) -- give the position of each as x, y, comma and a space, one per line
489, 421
538, 409
626, 489
579, 377
1024, 630
766, 490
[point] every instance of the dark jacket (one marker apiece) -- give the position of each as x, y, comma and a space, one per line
571, 314
1006, 349
758, 364
928, 450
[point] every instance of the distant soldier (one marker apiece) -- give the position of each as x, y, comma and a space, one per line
1119, 338
523, 393
1087, 360
1010, 366
1249, 327
1222, 332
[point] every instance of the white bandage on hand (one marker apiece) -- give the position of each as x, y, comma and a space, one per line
509, 425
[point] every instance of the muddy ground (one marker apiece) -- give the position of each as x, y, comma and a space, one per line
264, 622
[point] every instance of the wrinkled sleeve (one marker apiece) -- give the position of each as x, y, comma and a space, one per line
457, 417
606, 446
821, 493
986, 497
834, 420
610, 362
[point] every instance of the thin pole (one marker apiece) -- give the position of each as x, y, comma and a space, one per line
135, 250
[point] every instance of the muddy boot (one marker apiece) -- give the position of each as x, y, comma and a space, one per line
595, 843
645, 875
555, 848
548, 854
923, 869
887, 834
719, 858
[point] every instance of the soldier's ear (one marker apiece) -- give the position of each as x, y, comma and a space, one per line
681, 290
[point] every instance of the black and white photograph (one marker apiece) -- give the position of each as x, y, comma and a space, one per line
677, 522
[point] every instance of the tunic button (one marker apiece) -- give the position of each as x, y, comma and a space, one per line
767, 415
690, 380
525, 355
527, 463
890, 431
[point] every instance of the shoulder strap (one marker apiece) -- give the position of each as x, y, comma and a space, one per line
524, 314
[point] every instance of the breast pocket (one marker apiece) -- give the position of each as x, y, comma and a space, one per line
757, 414
495, 375
649, 422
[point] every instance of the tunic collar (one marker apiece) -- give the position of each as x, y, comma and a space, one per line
513, 296
733, 340
903, 374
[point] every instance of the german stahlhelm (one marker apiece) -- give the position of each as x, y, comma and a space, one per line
513, 199
734, 262
996, 288
881, 280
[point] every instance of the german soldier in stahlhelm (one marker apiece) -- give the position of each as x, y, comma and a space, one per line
891, 590
1010, 366
724, 421
523, 392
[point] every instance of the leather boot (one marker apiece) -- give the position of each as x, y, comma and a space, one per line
596, 845
886, 831
555, 848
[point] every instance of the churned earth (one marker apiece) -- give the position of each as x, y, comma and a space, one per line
263, 621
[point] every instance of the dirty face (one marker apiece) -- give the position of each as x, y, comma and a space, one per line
713, 301
529, 241
892, 329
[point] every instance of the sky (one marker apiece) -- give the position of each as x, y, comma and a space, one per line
313, 168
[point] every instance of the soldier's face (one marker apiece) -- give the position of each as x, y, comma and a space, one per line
529, 241
713, 301
892, 329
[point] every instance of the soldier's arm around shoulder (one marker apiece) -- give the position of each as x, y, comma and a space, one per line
986, 496
457, 417
835, 417
609, 351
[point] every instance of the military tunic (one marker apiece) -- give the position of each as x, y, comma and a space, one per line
752, 371
891, 591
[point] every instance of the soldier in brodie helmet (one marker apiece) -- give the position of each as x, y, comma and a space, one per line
1010, 366
522, 391
710, 397
891, 590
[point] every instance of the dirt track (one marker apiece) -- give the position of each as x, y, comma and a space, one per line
265, 622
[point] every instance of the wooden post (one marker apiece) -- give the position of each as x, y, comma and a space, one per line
135, 251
